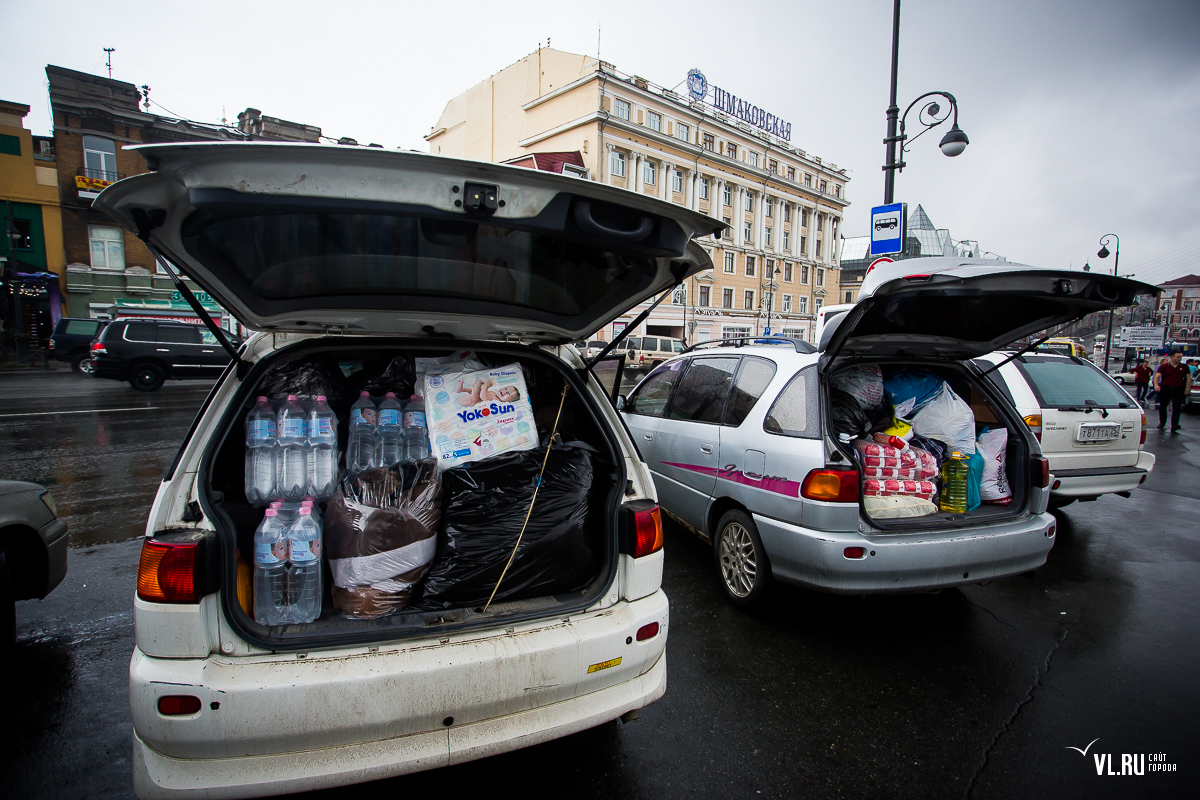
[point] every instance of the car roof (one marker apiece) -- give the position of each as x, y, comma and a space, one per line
779, 353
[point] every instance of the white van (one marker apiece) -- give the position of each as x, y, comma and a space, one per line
351, 257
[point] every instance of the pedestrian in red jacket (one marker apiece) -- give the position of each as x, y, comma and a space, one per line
1172, 381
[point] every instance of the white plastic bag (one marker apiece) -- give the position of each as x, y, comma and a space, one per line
949, 419
864, 383
992, 446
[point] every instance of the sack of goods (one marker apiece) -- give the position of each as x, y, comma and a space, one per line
381, 535
899, 506
949, 419
478, 414
864, 383
488, 511
992, 446
873, 487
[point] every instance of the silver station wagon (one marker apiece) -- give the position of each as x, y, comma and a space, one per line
751, 445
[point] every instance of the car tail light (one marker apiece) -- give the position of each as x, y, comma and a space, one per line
1034, 422
1050, 530
833, 485
1041, 472
167, 572
647, 632
51, 344
98, 347
1143, 439
175, 705
649, 532
854, 552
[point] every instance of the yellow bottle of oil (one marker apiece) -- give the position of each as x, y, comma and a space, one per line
954, 484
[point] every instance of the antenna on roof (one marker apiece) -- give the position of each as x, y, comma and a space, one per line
145, 96
109, 51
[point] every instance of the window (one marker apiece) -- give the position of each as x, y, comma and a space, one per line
750, 266
818, 251
787, 304
794, 412
803, 270
820, 222
752, 157
621, 108
748, 300
177, 334
787, 212
704, 188
704, 290
676, 181
727, 298
108, 247
769, 207
749, 201
729, 263
99, 158
787, 240
833, 227
808, 180
794, 333
23, 232
650, 397
837, 190
649, 172
654, 121
703, 390
81, 327
616, 164
708, 142
791, 173
802, 305
141, 332
787, 268
820, 272
817, 303
728, 231
649, 343
804, 217
849, 298
727, 196
1058, 383
206, 337
746, 233
679, 296
753, 377
10, 145
683, 131
824, 186
734, 331
766, 237
773, 167
731, 150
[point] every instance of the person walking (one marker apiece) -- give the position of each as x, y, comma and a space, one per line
1172, 381
1141, 378
1152, 395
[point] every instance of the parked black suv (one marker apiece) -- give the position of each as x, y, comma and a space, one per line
147, 352
72, 341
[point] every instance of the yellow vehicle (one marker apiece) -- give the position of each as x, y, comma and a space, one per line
1063, 346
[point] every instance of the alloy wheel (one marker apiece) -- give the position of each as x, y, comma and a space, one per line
739, 564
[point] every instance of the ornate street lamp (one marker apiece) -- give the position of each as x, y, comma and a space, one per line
1103, 253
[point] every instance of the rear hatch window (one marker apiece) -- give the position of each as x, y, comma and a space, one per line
1066, 383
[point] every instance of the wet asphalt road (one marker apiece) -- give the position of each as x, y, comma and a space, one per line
968, 693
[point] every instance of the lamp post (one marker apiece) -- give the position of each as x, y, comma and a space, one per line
771, 286
1103, 253
930, 115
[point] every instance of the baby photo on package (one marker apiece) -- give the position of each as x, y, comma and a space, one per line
475, 415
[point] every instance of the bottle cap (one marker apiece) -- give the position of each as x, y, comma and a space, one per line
291, 398
271, 512
364, 393
306, 503
390, 394
305, 510
260, 399
320, 398
276, 504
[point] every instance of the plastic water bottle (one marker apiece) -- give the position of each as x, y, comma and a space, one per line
261, 445
322, 457
304, 576
292, 470
360, 449
416, 432
389, 445
955, 473
270, 571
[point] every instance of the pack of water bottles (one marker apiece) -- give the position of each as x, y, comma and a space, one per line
387, 432
291, 450
288, 584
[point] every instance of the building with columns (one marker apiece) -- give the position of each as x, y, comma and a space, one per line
705, 149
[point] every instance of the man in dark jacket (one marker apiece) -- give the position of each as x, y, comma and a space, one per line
1172, 381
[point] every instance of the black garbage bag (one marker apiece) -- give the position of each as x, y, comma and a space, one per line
486, 503
307, 378
848, 416
397, 377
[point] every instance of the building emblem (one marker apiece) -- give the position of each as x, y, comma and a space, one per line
697, 84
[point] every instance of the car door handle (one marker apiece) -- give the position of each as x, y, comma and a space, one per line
649, 437
706, 449
162, 349
206, 351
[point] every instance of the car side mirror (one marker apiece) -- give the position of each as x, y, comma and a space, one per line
620, 402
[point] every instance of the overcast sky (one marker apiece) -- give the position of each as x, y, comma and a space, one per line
1083, 116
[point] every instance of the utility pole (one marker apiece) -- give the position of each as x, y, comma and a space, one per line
893, 113
109, 51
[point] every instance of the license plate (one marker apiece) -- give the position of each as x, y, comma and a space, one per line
1090, 432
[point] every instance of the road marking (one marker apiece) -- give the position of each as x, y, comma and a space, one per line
88, 411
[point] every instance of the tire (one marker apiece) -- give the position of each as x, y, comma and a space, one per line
77, 362
146, 377
8, 608
1059, 502
88, 366
741, 560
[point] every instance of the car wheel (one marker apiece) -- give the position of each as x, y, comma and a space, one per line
8, 607
77, 362
146, 377
741, 560
88, 367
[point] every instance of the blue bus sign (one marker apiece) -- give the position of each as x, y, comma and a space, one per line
887, 229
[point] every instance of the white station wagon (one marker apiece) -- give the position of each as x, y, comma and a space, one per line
355, 255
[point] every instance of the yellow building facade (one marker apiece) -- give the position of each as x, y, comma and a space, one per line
705, 149
29, 181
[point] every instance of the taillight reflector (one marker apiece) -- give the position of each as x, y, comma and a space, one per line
854, 552
649, 532
1034, 421
167, 572
1041, 473
833, 485
174, 705
647, 632
98, 347
51, 344
1143, 439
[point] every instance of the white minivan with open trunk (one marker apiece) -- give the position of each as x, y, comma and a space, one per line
350, 264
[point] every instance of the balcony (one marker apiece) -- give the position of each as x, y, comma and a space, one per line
89, 183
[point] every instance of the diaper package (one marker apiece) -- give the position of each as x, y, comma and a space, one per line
477, 414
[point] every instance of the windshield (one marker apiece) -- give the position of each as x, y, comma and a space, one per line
1062, 383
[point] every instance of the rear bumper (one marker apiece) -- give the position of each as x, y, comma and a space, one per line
107, 367
276, 724
904, 562
1095, 481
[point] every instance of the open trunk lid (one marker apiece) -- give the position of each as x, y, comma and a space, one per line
296, 237
958, 309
